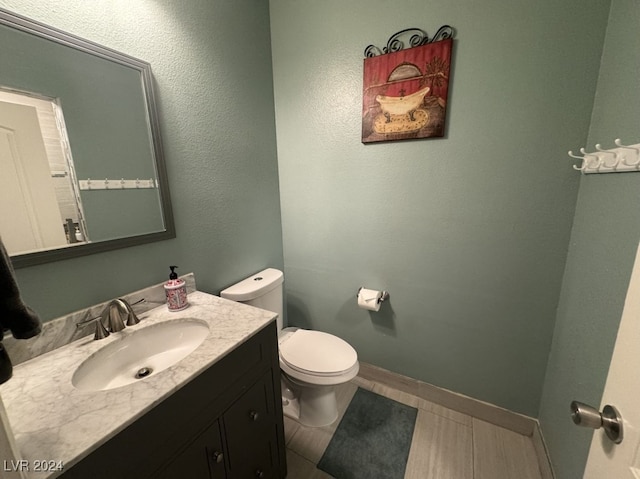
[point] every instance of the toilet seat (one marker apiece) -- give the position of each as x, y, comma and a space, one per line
317, 357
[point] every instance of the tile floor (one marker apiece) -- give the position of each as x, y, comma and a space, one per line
446, 444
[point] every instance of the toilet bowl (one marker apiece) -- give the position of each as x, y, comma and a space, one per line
312, 362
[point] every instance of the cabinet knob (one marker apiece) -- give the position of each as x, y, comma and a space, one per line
259, 473
254, 417
217, 456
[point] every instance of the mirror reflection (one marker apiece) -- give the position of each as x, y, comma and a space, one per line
38, 178
80, 138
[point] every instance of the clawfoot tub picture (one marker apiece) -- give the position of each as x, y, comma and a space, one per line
405, 93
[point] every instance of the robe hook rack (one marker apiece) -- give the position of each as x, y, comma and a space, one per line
622, 158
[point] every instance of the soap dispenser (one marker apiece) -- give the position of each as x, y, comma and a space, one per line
176, 292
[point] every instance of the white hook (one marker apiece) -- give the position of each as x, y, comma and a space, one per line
597, 163
611, 152
575, 167
636, 164
614, 165
618, 142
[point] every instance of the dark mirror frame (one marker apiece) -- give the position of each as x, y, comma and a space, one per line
52, 34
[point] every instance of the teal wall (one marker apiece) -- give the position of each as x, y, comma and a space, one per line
604, 240
468, 233
211, 62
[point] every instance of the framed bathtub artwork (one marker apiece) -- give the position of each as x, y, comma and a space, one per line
405, 91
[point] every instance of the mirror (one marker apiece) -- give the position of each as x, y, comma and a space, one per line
104, 185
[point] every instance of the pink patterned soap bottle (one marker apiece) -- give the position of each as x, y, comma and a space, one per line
176, 291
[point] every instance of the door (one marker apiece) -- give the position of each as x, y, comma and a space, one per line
622, 390
30, 218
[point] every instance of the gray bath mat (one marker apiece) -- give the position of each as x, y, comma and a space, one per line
372, 440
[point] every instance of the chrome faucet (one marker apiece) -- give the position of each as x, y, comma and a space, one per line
113, 318
115, 313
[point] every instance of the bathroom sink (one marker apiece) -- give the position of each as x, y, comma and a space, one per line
140, 354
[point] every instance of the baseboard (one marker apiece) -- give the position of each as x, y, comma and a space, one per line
484, 411
544, 462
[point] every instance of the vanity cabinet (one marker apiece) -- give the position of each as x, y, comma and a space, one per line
225, 423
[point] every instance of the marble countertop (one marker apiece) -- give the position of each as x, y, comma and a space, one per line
53, 421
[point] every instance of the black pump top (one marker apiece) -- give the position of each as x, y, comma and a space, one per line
173, 274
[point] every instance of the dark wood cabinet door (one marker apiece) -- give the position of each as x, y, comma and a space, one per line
250, 430
204, 458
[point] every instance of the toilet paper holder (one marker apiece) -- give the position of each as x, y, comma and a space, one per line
383, 297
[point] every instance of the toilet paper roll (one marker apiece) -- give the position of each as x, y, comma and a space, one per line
369, 299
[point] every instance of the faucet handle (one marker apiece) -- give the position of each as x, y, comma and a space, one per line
132, 319
131, 315
100, 332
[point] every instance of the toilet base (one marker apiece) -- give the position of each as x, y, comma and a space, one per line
291, 408
310, 405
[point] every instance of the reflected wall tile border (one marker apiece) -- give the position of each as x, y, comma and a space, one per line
61, 331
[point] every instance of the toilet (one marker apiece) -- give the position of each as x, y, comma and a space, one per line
312, 362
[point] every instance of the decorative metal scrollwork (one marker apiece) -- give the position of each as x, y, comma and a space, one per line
416, 36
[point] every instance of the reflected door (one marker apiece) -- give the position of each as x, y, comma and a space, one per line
29, 214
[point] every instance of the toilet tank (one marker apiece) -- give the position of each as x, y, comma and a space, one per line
262, 290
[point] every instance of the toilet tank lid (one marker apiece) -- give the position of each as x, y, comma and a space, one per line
254, 286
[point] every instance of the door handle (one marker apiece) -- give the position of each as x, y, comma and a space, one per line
609, 419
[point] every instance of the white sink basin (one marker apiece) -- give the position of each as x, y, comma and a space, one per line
140, 354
